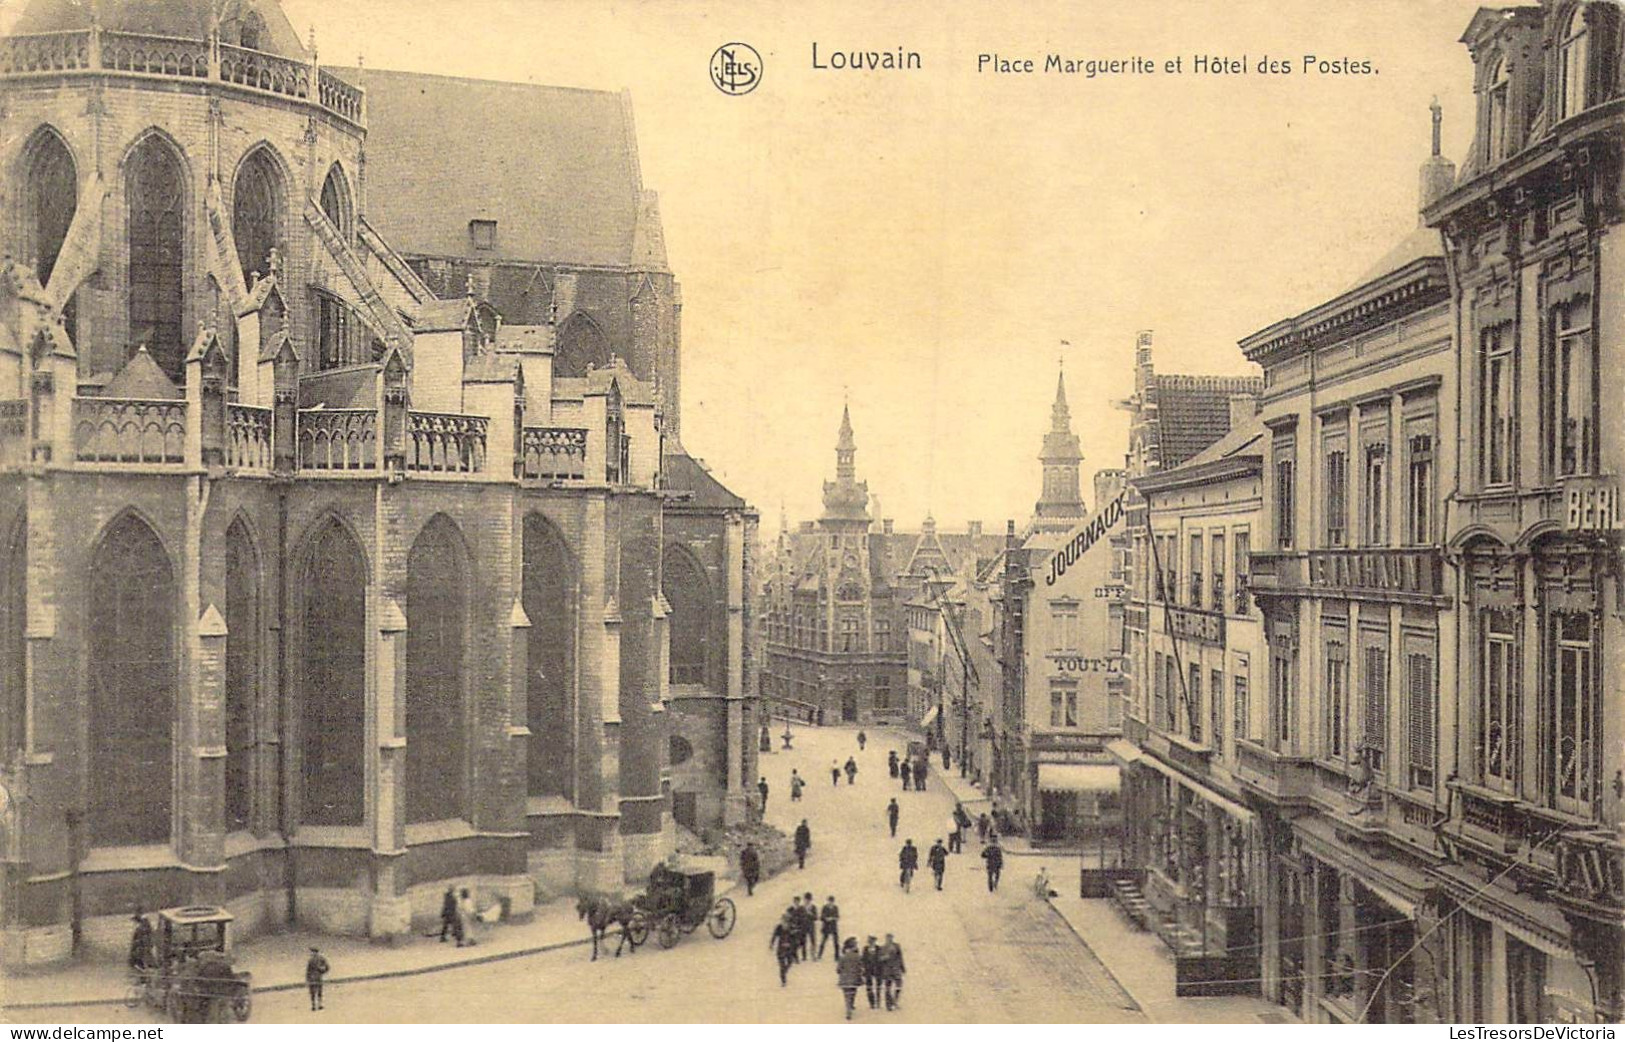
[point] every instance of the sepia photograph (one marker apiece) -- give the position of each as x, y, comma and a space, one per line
741, 512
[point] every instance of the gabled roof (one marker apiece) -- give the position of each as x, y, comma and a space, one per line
684, 473
555, 167
183, 19
141, 378
1193, 412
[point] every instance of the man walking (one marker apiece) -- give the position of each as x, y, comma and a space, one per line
830, 916
892, 812
862, 741
851, 770
905, 772
849, 972
891, 971
750, 866
908, 859
803, 843
993, 854
795, 786
872, 972
983, 822
798, 926
783, 943
891, 762
835, 772
450, 923
809, 926
761, 787
140, 943
919, 774
937, 858
315, 969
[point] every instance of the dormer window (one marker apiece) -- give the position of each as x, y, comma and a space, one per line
1571, 63
1500, 92
252, 32
483, 234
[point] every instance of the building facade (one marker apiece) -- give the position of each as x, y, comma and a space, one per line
369, 592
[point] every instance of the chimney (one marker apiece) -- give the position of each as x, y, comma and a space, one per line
973, 529
1243, 407
888, 526
1438, 173
1108, 483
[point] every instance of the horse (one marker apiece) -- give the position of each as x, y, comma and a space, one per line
601, 912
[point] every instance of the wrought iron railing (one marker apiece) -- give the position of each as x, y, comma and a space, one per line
445, 443
552, 454
248, 437
338, 439
129, 430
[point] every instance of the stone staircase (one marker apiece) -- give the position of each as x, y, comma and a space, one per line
1145, 916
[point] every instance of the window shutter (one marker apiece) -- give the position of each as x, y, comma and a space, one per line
1376, 697
1421, 719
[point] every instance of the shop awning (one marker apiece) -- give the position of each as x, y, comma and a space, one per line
1224, 803
1077, 777
930, 717
1123, 751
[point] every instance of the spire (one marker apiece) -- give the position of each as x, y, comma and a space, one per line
1438, 173
1060, 504
846, 498
1060, 415
845, 443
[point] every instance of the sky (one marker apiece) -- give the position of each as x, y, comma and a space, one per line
920, 243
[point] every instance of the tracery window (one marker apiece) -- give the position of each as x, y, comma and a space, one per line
548, 592
242, 673
689, 595
256, 213
13, 642
580, 344
436, 625
333, 716
335, 199
154, 196
132, 687
52, 201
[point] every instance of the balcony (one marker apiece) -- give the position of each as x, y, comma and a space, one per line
1286, 778
1379, 573
445, 443
338, 439
248, 437
552, 454
1591, 869
129, 430
93, 51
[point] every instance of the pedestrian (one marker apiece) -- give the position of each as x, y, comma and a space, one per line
849, 973
761, 787
798, 926
796, 785
937, 859
891, 762
835, 772
962, 822
750, 866
982, 824
919, 774
892, 812
872, 971
449, 923
953, 837
803, 843
830, 916
140, 943
316, 968
851, 770
809, 926
905, 772
466, 915
946, 766
1041, 887
891, 972
863, 740
783, 943
993, 854
908, 859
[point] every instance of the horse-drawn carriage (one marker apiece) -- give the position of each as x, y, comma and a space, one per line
677, 903
188, 972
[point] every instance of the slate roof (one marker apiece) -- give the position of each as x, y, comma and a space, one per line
684, 473
1420, 243
555, 167
183, 19
1193, 412
141, 378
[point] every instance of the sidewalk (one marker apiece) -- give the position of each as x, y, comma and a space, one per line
278, 960
1145, 969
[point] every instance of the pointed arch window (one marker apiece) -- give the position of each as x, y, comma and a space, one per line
252, 32
52, 200
1572, 58
689, 594
436, 624
13, 643
334, 680
242, 674
548, 597
154, 191
580, 344
335, 199
132, 687
256, 210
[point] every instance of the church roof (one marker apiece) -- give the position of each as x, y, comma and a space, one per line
141, 378
684, 473
555, 167
182, 19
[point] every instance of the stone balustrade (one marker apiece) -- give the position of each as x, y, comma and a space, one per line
129, 430
445, 443
552, 454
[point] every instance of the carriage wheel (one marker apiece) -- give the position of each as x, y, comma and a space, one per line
721, 920
134, 994
670, 931
242, 1006
638, 930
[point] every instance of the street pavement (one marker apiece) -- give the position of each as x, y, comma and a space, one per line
972, 956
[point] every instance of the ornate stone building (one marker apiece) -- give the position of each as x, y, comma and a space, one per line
321, 590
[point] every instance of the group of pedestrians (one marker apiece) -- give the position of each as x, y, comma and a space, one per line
908, 858
850, 770
877, 968
911, 772
458, 916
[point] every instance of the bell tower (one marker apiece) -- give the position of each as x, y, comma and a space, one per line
1060, 504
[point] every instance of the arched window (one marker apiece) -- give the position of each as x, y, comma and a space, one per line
132, 687
154, 194
333, 717
336, 199
580, 344
1497, 138
640, 758
13, 647
436, 623
242, 673
1572, 56
548, 597
256, 207
53, 198
252, 32
689, 595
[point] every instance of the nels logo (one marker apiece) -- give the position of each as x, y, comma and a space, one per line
736, 68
